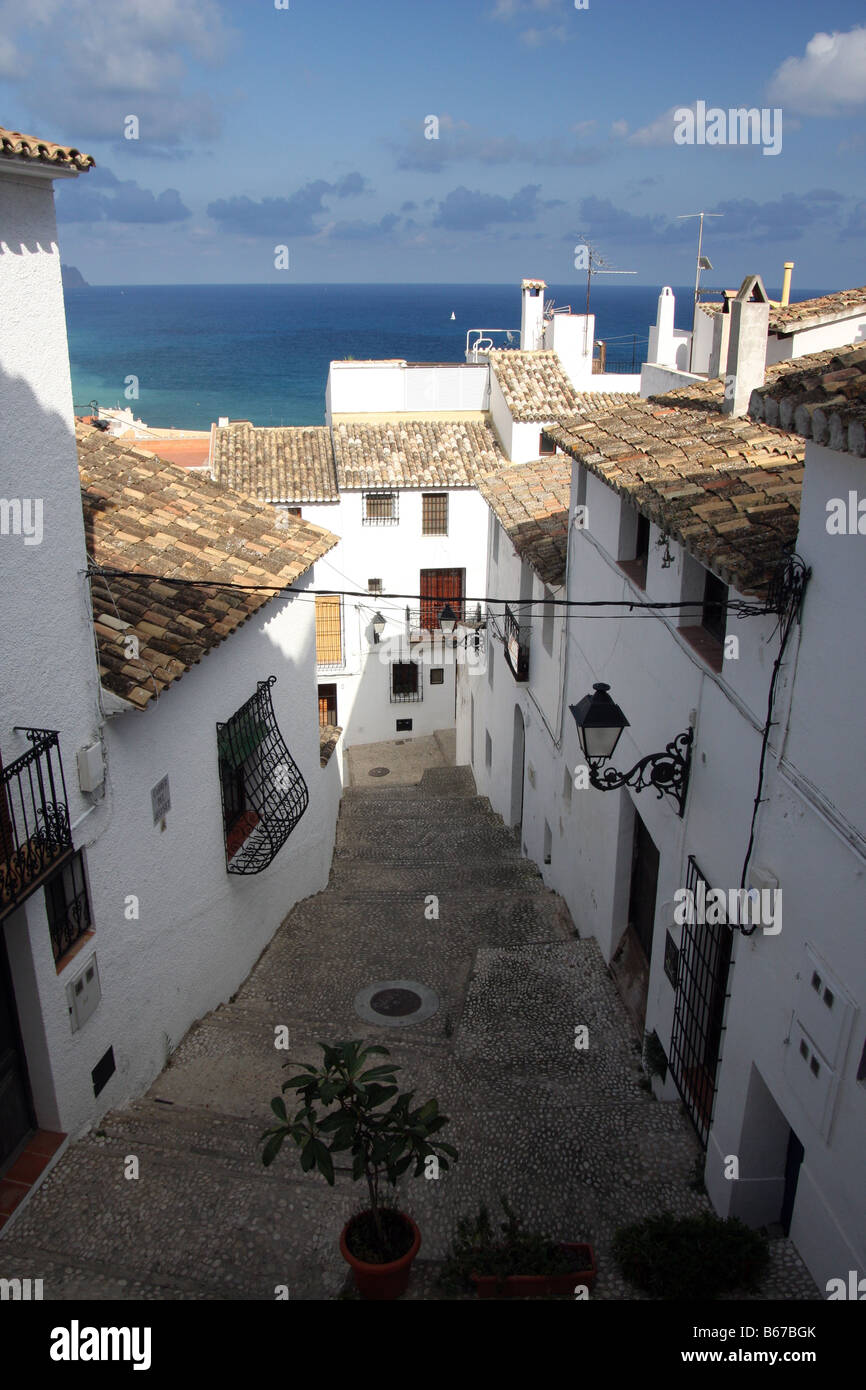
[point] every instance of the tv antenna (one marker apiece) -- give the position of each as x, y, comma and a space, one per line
597, 265
703, 263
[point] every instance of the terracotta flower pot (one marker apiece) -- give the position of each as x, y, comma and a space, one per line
381, 1281
540, 1285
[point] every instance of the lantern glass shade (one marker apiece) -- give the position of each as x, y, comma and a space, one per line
378, 624
600, 723
447, 619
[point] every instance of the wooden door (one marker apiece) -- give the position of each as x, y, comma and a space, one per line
439, 587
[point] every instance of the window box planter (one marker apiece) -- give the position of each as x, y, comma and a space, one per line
541, 1285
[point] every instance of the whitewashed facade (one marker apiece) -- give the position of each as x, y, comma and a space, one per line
163, 932
787, 1131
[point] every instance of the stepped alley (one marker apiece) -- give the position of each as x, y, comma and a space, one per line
571, 1136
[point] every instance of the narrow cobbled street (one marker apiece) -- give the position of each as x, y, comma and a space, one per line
571, 1136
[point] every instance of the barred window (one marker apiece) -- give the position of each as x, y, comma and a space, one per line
67, 906
263, 792
329, 630
434, 514
379, 508
405, 681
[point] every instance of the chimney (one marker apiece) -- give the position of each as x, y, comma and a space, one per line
532, 315
786, 283
747, 347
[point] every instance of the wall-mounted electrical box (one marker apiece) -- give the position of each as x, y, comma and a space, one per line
91, 768
83, 994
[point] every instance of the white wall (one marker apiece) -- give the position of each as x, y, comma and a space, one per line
43, 592
842, 333
49, 675
393, 387
396, 554
654, 381
200, 929
811, 837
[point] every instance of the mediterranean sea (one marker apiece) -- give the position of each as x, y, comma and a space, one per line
261, 352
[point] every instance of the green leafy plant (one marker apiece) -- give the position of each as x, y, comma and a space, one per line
478, 1249
347, 1106
691, 1257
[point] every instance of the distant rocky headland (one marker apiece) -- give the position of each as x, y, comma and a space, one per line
72, 277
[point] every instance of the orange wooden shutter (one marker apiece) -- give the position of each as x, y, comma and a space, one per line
329, 641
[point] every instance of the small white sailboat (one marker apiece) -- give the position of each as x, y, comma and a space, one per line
453, 316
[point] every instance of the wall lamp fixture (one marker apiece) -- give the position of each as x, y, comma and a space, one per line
600, 723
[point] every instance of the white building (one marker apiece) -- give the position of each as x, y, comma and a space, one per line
159, 813
673, 502
395, 473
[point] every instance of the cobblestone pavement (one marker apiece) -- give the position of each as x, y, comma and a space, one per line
573, 1139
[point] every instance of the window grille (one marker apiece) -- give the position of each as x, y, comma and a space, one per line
329, 630
434, 514
263, 792
516, 645
67, 906
379, 508
699, 1003
405, 682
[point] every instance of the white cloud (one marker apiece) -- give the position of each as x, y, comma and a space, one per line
828, 80
659, 132
100, 61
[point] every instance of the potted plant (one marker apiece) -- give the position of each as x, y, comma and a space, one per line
347, 1106
515, 1263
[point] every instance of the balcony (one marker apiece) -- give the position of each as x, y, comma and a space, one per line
516, 646
35, 838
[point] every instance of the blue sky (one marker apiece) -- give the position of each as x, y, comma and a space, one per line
304, 127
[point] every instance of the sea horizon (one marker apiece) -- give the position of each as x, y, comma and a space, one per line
262, 351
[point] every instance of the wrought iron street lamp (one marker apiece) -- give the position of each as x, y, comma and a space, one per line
378, 626
600, 723
447, 619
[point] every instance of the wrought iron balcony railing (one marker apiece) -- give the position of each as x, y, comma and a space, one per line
35, 838
516, 646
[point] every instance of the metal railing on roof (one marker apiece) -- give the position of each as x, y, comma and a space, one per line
483, 342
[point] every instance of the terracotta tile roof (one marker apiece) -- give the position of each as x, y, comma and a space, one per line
141, 513
531, 502
534, 384
694, 395
14, 145
810, 313
276, 464
727, 489
414, 453
821, 396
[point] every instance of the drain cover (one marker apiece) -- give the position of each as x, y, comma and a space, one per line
378, 772
396, 1003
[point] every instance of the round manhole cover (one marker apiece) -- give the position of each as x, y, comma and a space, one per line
378, 772
396, 1003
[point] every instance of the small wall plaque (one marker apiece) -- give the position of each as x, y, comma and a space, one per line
160, 797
